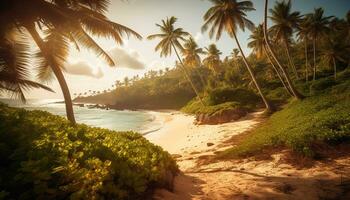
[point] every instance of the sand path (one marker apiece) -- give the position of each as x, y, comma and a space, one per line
240, 179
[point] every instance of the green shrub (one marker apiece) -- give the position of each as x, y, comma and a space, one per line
321, 85
279, 94
195, 107
42, 156
240, 95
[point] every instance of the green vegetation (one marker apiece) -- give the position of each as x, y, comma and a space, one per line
305, 126
44, 157
194, 107
156, 90
225, 98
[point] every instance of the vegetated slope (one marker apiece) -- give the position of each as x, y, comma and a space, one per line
44, 157
305, 126
170, 90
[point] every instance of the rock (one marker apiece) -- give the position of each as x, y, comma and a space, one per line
222, 117
209, 144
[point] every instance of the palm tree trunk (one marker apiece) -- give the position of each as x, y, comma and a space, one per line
314, 46
277, 72
268, 106
187, 75
56, 70
306, 62
335, 68
273, 54
291, 63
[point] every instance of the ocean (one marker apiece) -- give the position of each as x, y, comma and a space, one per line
139, 121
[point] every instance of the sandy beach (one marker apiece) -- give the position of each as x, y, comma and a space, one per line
273, 178
179, 135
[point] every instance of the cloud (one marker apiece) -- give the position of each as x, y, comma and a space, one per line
82, 68
198, 37
126, 59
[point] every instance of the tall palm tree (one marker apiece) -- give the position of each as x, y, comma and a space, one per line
304, 36
257, 43
14, 66
170, 40
230, 15
295, 92
318, 28
332, 52
191, 53
285, 21
212, 59
55, 24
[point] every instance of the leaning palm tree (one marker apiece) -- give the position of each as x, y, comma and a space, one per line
55, 24
170, 40
14, 66
295, 92
332, 52
285, 21
304, 36
212, 59
318, 28
230, 15
257, 43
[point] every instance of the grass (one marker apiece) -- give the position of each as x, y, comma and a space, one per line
195, 107
223, 99
304, 126
42, 156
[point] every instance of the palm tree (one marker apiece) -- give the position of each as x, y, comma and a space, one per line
192, 59
14, 66
126, 81
236, 58
318, 28
333, 51
54, 24
258, 45
212, 59
304, 36
229, 15
285, 22
296, 94
170, 40
191, 53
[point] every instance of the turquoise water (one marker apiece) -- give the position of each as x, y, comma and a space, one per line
140, 121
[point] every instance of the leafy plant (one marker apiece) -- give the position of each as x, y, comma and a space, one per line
44, 157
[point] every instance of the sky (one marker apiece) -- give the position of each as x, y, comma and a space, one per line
85, 71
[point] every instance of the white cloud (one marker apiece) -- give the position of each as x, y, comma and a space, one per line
198, 37
126, 59
82, 68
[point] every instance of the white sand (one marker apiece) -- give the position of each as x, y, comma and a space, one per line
243, 178
179, 135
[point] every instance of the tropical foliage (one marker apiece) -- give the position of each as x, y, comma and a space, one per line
45, 157
53, 25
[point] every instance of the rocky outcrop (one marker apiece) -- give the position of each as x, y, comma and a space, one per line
221, 117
